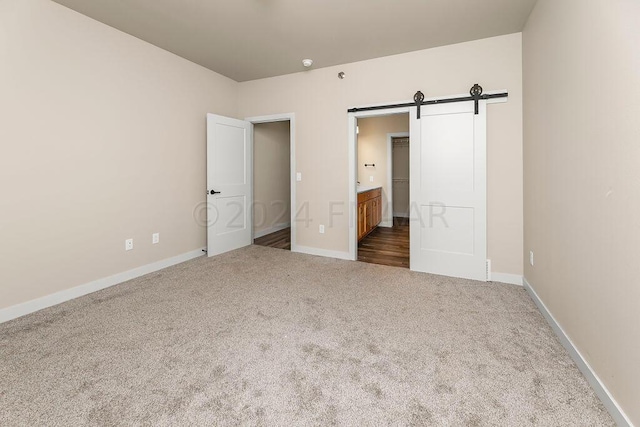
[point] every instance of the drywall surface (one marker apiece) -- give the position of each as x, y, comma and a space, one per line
582, 181
103, 139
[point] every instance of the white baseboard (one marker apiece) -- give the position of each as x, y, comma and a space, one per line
272, 229
321, 252
388, 224
24, 308
512, 279
401, 215
601, 390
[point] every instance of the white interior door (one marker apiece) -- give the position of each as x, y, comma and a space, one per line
448, 228
229, 178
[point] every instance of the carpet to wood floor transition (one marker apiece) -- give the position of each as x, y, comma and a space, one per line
387, 245
279, 240
262, 336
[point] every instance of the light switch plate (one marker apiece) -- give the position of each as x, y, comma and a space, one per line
371, 178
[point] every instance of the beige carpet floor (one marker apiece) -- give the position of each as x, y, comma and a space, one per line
263, 336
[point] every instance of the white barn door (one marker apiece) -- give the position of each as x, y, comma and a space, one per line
229, 179
448, 227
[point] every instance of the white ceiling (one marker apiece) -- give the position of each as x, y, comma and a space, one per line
252, 39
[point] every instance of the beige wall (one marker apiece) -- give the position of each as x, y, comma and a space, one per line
372, 148
271, 175
582, 180
320, 101
102, 138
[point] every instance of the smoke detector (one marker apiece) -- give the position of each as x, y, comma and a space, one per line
307, 62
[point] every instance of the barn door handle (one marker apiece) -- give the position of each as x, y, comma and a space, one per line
212, 192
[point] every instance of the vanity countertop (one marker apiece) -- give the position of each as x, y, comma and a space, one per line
365, 188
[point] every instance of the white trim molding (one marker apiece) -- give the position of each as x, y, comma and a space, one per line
322, 252
512, 279
37, 304
272, 229
598, 386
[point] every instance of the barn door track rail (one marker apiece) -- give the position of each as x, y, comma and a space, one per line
475, 95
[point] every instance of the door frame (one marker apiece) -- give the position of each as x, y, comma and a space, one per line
291, 118
390, 137
352, 119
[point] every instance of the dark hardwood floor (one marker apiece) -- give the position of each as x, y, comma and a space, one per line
387, 246
280, 240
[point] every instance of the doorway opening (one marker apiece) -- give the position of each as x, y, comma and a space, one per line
271, 185
272, 182
400, 184
382, 210
230, 183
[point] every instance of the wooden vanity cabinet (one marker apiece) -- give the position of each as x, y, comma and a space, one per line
369, 211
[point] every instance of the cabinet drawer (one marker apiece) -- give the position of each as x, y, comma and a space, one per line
368, 195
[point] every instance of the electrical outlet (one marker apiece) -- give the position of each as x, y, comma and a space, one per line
299, 176
321, 229
371, 178
155, 238
128, 244
531, 258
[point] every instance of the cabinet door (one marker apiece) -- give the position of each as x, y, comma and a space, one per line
374, 213
379, 210
361, 220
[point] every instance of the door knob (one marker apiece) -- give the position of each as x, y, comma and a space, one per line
214, 192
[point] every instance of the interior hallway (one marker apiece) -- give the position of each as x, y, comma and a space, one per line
279, 240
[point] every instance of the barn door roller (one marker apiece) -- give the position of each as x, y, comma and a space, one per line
476, 92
